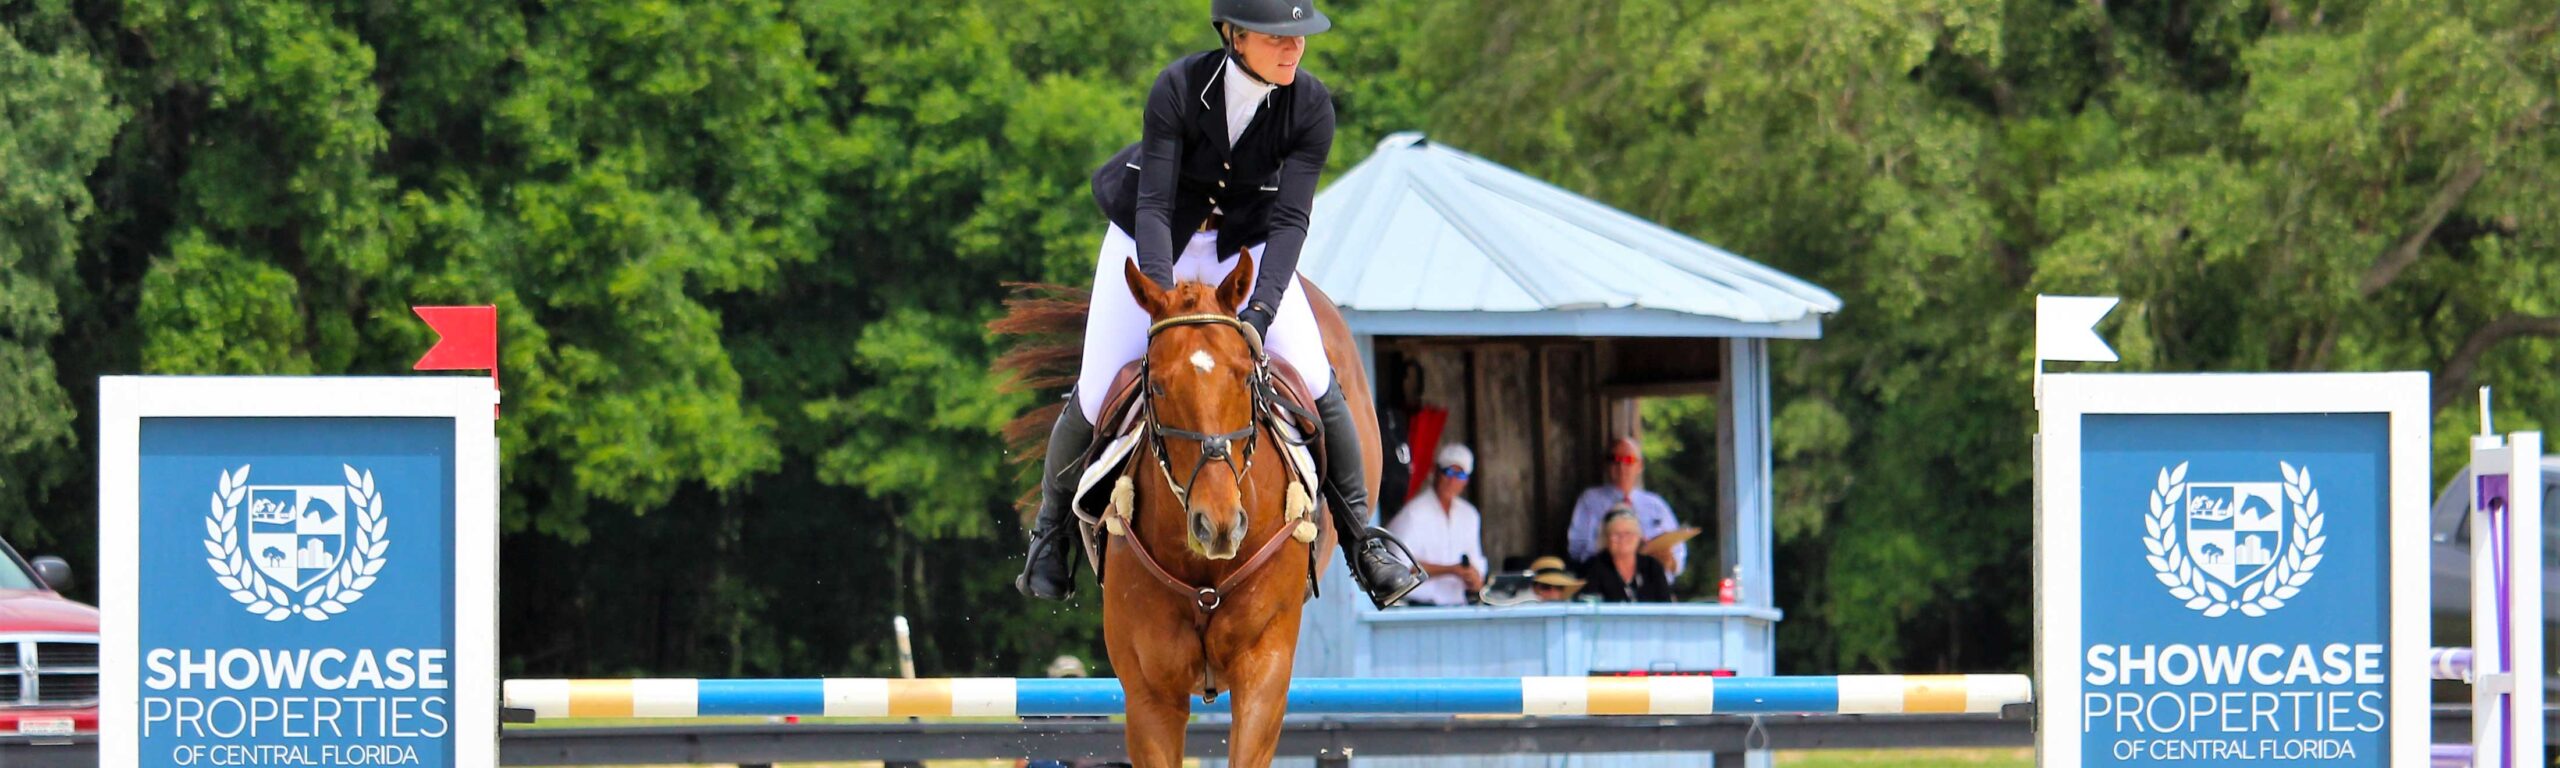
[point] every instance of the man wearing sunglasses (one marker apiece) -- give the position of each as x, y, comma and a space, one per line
1624, 489
1444, 532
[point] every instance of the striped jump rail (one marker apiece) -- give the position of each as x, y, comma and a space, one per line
1044, 697
2449, 756
2450, 663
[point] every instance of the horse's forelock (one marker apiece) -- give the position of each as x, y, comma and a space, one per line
1191, 298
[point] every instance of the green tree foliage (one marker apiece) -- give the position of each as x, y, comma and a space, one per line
2269, 185
56, 120
744, 253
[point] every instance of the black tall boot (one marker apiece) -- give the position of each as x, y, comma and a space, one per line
1048, 572
1372, 553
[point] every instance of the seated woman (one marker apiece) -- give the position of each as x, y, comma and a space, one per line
1618, 574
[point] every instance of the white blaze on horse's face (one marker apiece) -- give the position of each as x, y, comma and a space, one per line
1200, 359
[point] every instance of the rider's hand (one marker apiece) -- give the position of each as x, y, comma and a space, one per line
1259, 317
1473, 577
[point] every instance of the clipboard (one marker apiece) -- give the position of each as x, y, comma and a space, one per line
1660, 546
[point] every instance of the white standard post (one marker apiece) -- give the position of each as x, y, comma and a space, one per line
2506, 623
2491, 680
2484, 413
906, 652
2524, 575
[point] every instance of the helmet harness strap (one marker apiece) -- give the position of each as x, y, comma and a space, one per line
1227, 39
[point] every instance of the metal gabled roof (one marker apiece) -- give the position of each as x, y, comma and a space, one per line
1421, 239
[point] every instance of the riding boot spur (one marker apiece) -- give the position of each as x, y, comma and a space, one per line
1373, 554
1048, 572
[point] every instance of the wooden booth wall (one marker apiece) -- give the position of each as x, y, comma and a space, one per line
1538, 414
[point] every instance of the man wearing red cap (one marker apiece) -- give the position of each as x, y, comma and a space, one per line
1625, 489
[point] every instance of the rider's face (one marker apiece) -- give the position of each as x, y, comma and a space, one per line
1274, 57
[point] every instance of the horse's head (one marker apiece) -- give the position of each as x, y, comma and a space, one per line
1201, 364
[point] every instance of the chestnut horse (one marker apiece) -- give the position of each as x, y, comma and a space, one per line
1206, 585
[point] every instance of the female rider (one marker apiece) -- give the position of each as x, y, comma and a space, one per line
1233, 141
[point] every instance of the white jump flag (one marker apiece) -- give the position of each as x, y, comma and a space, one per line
2067, 328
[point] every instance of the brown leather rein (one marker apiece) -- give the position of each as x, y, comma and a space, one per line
1218, 448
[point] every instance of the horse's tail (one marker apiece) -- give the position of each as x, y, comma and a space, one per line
1046, 322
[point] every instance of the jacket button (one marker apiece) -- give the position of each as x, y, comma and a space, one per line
1222, 184
1213, 201
1227, 166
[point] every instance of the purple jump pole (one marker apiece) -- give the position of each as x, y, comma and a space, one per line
2450, 663
2449, 756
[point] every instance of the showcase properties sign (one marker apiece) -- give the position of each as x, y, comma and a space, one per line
298, 571
2231, 570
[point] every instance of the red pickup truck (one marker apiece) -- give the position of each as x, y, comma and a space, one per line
48, 652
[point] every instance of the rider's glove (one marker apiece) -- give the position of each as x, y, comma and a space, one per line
1259, 316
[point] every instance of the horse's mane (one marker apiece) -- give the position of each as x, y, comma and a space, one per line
1046, 323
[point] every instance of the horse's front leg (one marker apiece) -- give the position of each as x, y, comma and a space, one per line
1259, 703
1156, 654
1157, 725
1256, 669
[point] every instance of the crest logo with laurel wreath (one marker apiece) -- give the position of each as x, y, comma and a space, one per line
2247, 546
296, 550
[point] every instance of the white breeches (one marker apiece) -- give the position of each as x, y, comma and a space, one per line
1116, 330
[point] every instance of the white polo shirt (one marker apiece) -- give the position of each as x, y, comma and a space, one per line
1438, 536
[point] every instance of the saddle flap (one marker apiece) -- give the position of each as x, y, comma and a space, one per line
1100, 470
1300, 456
1292, 388
1119, 405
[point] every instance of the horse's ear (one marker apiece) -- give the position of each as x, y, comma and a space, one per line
1231, 291
1143, 288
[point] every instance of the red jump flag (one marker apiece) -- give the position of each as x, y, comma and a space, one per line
467, 339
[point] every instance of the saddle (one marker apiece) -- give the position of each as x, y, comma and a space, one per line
1290, 413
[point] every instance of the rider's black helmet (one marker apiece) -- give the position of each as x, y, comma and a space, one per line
1271, 17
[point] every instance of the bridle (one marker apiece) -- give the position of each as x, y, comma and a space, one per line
1218, 447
